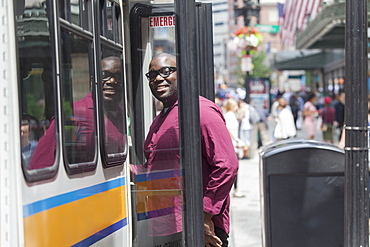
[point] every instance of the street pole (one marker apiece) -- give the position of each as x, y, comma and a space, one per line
246, 85
189, 127
356, 130
247, 11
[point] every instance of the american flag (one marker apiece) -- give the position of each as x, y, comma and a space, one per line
281, 13
293, 18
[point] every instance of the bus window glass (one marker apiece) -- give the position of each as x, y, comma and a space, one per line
113, 119
162, 33
36, 77
61, 9
75, 12
111, 26
78, 101
118, 25
103, 17
110, 19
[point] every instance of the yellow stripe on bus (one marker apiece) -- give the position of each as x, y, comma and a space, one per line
70, 223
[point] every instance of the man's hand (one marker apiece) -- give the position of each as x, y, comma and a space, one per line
210, 237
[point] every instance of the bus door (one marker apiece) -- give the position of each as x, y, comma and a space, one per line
158, 189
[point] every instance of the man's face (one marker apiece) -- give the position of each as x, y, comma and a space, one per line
282, 102
164, 89
25, 132
112, 79
342, 98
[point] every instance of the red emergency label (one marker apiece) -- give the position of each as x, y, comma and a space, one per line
162, 21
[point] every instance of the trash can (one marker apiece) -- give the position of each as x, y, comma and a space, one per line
302, 194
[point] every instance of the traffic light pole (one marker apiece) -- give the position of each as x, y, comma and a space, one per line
246, 85
356, 130
189, 127
247, 11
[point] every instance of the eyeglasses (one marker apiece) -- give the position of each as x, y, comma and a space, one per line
107, 75
164, 72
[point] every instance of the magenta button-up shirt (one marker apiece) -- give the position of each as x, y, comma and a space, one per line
219, 161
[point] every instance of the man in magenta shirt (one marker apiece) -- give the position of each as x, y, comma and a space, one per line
219, 161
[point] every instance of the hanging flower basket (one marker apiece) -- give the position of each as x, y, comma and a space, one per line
246, 40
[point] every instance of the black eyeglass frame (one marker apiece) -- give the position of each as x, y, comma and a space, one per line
152, 77
107, 75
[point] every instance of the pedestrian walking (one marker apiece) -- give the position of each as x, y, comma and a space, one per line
245, 127
295, 106
232, 124
262, 127
285, 127
309, 114
339, 113
328, 117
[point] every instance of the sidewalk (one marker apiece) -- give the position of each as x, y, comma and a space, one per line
245, 212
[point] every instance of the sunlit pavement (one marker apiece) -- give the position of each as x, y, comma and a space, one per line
245, 211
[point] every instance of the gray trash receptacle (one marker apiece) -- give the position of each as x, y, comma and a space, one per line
302, 186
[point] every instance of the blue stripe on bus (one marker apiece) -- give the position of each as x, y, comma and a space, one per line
102, 234
76, 195
155, 213
158, 175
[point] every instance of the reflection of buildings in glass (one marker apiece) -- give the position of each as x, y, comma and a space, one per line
163, 39
75, 12
35, 59
33, 22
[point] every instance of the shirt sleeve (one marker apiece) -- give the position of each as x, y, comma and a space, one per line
218, 153
44, 155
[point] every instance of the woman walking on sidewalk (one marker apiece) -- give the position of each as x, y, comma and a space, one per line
309, 114
232, 124
285, 127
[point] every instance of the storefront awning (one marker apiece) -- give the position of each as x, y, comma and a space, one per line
320, 60
326, 31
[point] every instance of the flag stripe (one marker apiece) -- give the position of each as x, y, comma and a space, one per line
302, 15
294, 16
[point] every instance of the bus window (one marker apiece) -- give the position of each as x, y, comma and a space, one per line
37, 87
79, 125
78, 97
111, 89
113, 119
76, 12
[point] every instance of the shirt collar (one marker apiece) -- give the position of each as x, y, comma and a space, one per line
165, 111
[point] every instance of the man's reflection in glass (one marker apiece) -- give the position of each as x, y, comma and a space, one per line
112, 102
83, 121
